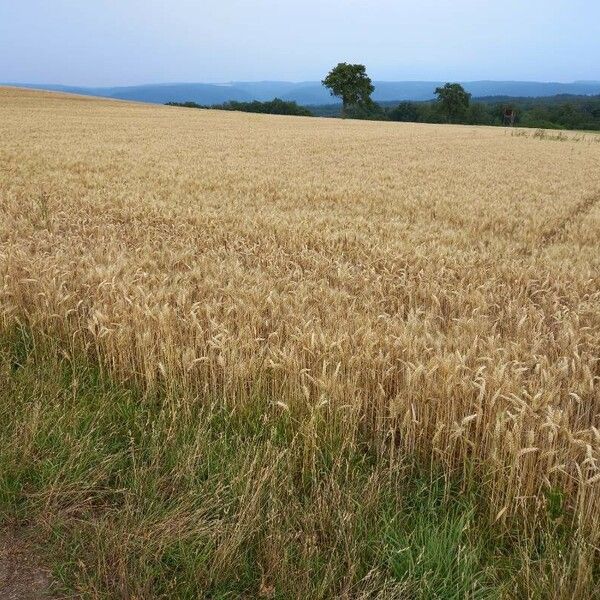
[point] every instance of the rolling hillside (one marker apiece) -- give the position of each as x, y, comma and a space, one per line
313, 93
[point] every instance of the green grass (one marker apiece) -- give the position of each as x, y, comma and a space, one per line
439, 550
169, 496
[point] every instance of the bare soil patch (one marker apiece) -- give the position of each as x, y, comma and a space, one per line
22, 577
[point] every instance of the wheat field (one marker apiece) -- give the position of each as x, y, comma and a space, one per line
433, 290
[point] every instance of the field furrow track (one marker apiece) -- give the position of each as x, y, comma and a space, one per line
579, 211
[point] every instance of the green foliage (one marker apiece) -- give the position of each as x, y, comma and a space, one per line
350, 83
453, 101
277, 106
273, 107
581, 113
187, 105
477, 114
368, 110
555, 499
405, 111
440, 553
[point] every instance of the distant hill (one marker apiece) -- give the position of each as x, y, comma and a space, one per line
313, 93
203, 93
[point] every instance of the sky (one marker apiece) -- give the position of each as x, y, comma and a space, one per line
129, 42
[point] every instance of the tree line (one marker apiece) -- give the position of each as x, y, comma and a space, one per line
453, 104
277, 106
554, 112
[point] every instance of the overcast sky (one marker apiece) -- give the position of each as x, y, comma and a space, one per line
120, 42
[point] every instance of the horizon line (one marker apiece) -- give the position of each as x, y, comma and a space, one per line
295, 82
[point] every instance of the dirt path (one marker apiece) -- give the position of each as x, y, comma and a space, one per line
21, 576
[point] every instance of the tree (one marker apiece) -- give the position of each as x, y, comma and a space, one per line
370, 111
478, 114
350, 83
453, 100
405, 111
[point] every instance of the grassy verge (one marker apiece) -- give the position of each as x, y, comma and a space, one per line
169, 496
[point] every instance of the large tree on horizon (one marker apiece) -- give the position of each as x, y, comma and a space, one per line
351, 83
453, 100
